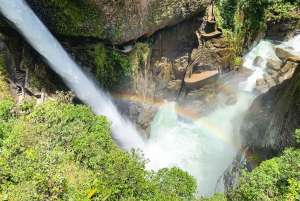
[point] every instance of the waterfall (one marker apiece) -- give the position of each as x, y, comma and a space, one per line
39, 37
204, 146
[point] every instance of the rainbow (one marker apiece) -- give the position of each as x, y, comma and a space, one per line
182, 112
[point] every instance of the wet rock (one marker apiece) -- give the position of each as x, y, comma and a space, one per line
287, 66
174, 85
273, 65
260, 82
288, 74
232, 99
258, 61
281, 30
259, 89
281, 53
269, 124
292, 58
266, 75
270, 82
272, 72
120, 21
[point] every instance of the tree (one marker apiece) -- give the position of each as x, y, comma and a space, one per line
275, 179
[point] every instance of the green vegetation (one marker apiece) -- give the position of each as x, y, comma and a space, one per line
60, 151
281, 9
4, 89
114, 69
215, 197
275, 179
75, 18
111, 66
243, 20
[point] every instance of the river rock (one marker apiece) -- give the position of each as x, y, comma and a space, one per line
272, 72
270, 82
232, 99
260, 82
266, 75
274, 65
293, 58
281, 53
289, 73
258, 61
259, 89
287, 66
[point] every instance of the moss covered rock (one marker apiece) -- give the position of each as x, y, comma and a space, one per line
116, 20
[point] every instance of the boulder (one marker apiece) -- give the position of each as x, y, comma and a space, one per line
260, 82
232, 99
287, 66
292, 58
258, 61
266, 75
259, 89
273, 64
281, 53
289, 73
272, 72
270, 82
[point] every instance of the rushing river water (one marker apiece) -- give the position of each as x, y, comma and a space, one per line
204, 146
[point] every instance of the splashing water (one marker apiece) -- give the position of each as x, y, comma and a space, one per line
39, 37
265, 49
206, 147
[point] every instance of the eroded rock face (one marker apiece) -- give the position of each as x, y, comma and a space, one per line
223, 92
281, 30
117, 20
171, 54
271, 120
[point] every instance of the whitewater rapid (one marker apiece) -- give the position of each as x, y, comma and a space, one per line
205, 147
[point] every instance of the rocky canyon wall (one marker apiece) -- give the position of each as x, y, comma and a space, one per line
118, 21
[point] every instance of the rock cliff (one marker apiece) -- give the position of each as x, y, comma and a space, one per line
270, 122
116, 20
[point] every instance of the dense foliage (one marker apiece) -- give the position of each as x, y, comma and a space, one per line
243, 20
115, 69
63, 152
76, 18
275, 179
